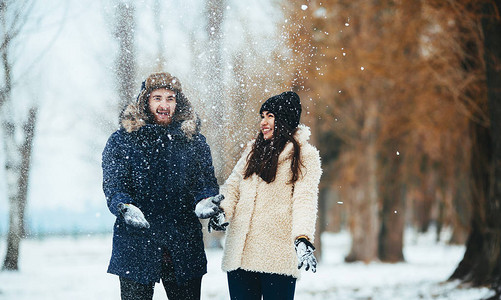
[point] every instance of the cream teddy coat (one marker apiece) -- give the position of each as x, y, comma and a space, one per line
266, 218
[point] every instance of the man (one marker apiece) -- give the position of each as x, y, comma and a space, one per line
156, 168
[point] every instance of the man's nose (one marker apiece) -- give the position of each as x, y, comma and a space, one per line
163, 103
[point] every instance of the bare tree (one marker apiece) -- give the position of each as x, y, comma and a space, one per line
407, 18
159, 30
481, 264
215, 96
13, 17
125, 70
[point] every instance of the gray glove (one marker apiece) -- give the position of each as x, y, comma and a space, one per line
217, 222
208, 207
133, 216
304, 252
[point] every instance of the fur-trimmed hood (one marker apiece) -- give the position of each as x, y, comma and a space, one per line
136, 115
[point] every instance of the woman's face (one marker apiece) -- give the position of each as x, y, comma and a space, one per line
267, 124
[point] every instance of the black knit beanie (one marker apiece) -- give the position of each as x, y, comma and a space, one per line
286, 107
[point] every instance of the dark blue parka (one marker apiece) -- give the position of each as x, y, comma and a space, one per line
164, 172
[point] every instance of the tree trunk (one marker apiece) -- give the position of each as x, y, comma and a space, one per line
491, 26
17, 157
393, 210
364, 223
125, 70
482, 260
159, 31
423, 207
214, 98
461, 208
215, 95
474, 266
13, 172
18, 161
407, 14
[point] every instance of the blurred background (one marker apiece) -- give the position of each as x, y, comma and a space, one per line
402, 98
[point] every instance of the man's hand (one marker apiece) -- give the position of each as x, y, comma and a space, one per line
133, 216
217, 222
208, 207
304, 251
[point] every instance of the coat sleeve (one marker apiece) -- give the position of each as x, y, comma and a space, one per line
305, 197
205, 181
116, 175
231, 187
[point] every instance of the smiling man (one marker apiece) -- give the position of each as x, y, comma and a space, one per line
162, 105
156, 168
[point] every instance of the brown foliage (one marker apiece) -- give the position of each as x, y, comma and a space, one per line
390, 75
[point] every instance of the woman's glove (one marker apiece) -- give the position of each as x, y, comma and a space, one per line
304, 252
208, 207
217, 222
133, 216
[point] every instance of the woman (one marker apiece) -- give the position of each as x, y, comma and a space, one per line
270, 202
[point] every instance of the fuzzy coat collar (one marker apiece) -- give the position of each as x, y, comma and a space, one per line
302, 135
133, 118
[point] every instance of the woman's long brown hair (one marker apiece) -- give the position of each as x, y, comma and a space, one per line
263, 158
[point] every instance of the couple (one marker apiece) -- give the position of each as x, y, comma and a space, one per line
158, 180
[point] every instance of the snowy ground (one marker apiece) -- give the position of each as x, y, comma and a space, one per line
74, 268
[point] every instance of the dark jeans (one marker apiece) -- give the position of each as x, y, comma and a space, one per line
246, 285
190, 290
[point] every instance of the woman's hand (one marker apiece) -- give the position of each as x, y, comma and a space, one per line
217, 222
304, 251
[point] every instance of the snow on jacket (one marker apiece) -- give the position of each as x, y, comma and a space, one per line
164, 171
266, 218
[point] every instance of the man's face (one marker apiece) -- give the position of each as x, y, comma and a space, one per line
162, 105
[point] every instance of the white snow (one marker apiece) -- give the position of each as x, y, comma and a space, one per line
74, 268
76, 117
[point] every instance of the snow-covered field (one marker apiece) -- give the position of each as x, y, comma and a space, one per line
74, 268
